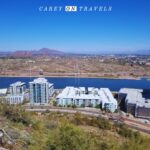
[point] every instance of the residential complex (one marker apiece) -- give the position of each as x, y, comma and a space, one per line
136, 102
40, 90
91, 96
16, 93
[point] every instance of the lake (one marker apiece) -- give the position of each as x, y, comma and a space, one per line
61, 82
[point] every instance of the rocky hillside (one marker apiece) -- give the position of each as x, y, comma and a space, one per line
21, 130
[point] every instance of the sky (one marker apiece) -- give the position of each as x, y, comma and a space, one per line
125, 28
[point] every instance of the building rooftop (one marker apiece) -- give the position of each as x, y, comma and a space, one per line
107, 96
91, 93
19, 83
51, 84
3, 91
41, 80
135, 96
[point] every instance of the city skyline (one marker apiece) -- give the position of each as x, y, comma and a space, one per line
125, 28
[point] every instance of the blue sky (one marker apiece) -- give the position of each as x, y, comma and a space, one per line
126, 28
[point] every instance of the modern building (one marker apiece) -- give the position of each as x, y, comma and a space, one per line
17, 88
87, 97
3, 92
40, 91
136, 102
107, 99
16, 93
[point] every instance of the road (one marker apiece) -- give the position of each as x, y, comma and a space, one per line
73, 111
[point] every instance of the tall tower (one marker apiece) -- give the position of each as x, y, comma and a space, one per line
39, 91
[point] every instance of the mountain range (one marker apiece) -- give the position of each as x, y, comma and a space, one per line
32, 53
52, 52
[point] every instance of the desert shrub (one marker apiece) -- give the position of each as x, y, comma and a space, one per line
51, 125
77, 119
128, 133
16, 114
54, 103
104, 146
69, 137
104, 124
37, 125
125, 132
47, 111
135, 145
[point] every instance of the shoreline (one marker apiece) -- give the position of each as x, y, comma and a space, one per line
121, 78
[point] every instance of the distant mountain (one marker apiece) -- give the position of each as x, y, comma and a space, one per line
5, 54
21, 54
47, 51
143, 52
125, 52
52, 52
32, 53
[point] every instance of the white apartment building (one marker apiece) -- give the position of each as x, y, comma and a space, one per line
87, 97
16, 93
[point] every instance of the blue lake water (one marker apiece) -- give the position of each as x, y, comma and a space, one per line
113, 84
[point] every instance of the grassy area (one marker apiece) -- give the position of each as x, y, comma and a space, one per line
56, 131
